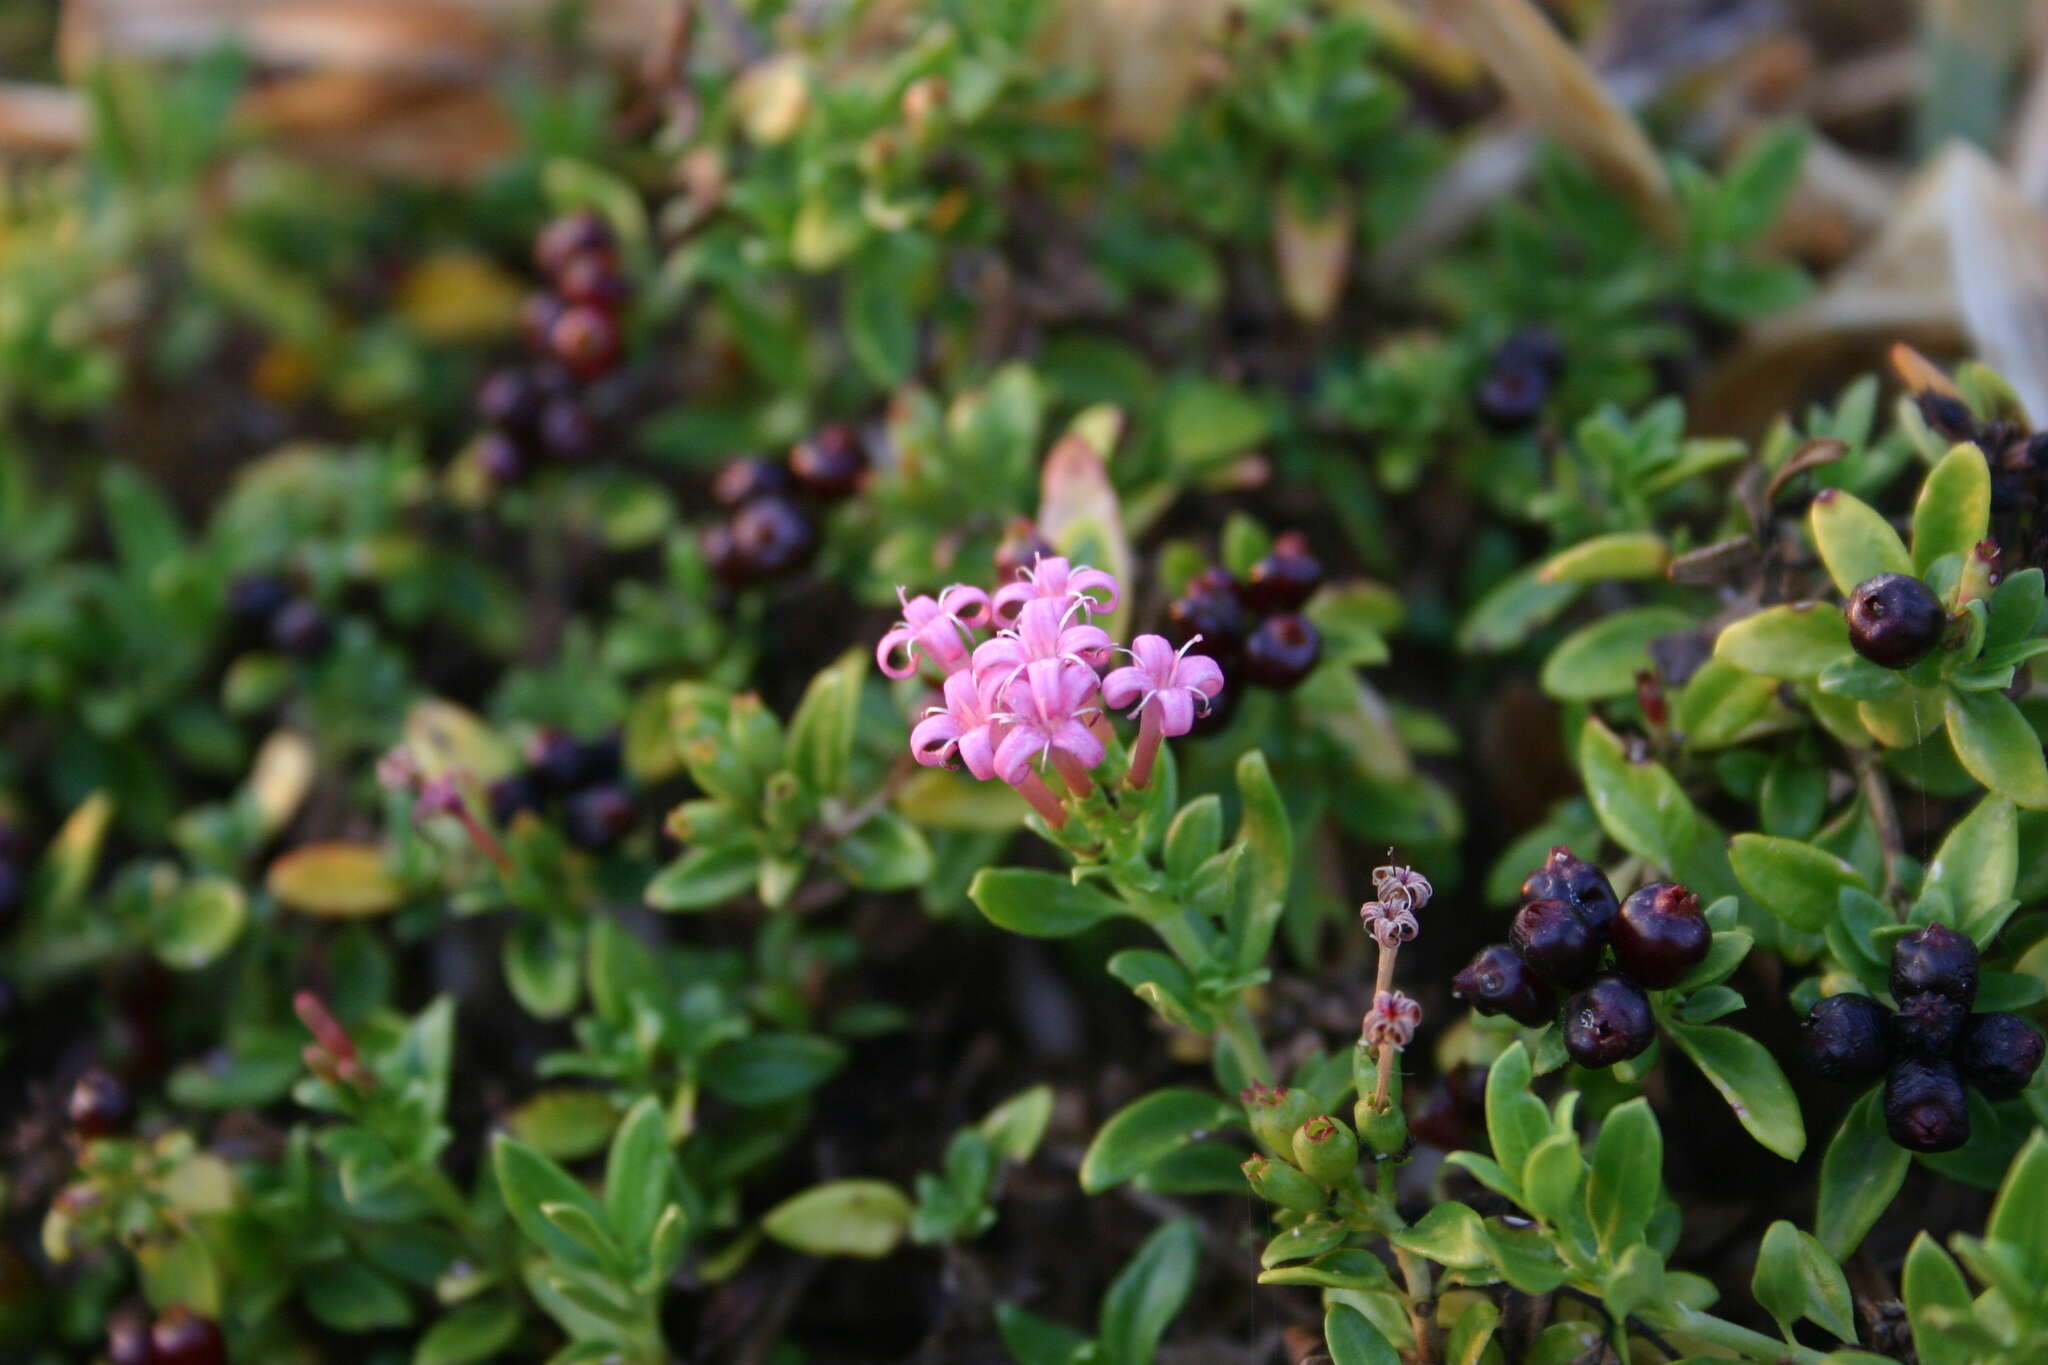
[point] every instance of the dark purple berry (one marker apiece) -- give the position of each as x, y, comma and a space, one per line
1924, 1106
1608, 1022
1283, 580
301, 629
560, 763
722, 555
1927, 1025
99, 1105
1576, 882
1497, 981
1999, 1053
1537, 346
1218, 617
592, 279
1937, 959
773, 536
567, 430
513, 795
1660, 935
508, 398
1844, 1038
1281, 653
537, 318
1511, 396
598, 817
1555, 941
1895, 620
253, 599
572, 235
830, 464
1020, 548
182, 1337
128, 1339
1946, 414
741, 481
500, 458
586, 341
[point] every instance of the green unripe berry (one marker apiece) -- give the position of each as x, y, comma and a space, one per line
1383, 1130
1326, 1150
1276, 1182
1274, 1114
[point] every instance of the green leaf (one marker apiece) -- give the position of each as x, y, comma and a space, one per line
1628, 1166
1602, 659
198, 922
1796, 641
1749, 1079
543, 966
1511, 610
1757, 185
350, 1297
1623, 554
1979, 860
473, 1332
705, 876
1953, 512
1206, 423
1551, 1178
527, 1181
1720, 703
1266, 837
1859, 1176
1147, 1129
1032, 1340
1795, 881
1354, 1341
1015, 1127
859, 1218
2016, 1217
886, 853
1450, 1234
881, 329
1149, 1291
636, 1174
819, 746
1996, 746
1040, 904
1854, 542
1194, 836
1936, 1295
1515, 1118
1796, 1278
767, 1068
1469, 1335
1640, 804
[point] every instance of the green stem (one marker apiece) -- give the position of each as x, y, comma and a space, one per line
1715, 1331
1414, 1270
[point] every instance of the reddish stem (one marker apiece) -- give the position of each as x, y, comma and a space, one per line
1072, 773
1147, 750
1033, 789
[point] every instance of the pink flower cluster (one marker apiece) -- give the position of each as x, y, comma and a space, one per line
1031, 693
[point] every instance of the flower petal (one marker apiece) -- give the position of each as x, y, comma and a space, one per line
1123, 686
899, 638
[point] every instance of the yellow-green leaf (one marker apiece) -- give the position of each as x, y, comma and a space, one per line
1797, 882
335, 880
1954, 509
1997, 746
1854, 541
1795, 641
1624, 554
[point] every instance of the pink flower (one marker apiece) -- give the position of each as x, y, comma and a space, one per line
1052, 577
1389, 923
1402, 887
1045, 629
1392, 1020
965, 726
1173, 684
1048, 718
941, 628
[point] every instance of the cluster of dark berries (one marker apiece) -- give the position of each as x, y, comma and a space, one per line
584, 776
267, 611
771, 525
1558, 942
540, 408
177, 1337
1927, 1048
1519, 379
1895, 620
1252, 626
